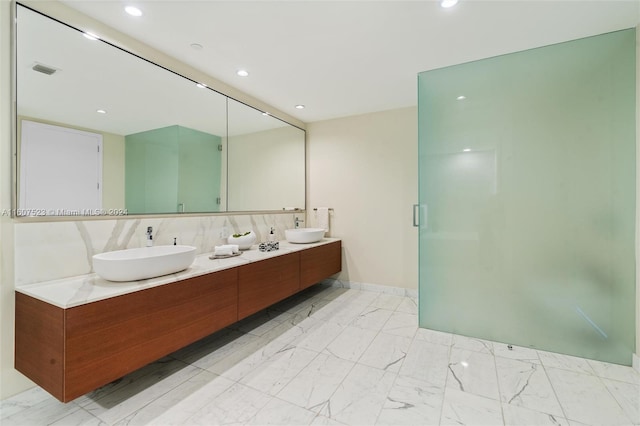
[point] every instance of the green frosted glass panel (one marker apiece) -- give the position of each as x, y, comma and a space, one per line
527, 198
172, 170
199, 171
151, 171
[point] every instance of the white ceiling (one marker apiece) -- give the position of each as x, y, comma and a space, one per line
342, 58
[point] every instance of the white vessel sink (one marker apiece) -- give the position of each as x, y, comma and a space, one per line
142, 263
304, 235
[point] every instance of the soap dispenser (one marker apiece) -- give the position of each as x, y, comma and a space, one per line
149, 236
271, 237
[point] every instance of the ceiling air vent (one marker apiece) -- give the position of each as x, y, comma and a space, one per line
43, 69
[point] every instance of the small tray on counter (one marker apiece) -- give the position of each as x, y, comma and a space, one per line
224, 256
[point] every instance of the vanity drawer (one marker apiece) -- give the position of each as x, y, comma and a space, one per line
263, 283
319, 263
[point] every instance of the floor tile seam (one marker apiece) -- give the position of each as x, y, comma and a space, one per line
620, 381
446, 380
474, 393
453, 346
90, 401
386, 398
519, 359
407, 297
384, 324
22, 407
590, 372
288, 402
210, 400
356, 363
415, 337
69, 413
196, 412
331, 341
553, 389
495, 365
339, 385
295, 377
60, 416
622, 410
289, 381
189, 377
295, 346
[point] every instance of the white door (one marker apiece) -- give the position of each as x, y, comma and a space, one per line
60, 170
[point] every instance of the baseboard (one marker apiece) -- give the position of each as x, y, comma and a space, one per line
636, 362
377, 288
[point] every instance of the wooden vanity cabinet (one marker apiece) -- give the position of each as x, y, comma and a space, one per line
263, 283
70, 352
319, 263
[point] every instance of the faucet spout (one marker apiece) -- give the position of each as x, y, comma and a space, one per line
149, 236
297, 222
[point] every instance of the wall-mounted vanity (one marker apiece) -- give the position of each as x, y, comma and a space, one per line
168, 143
75, 335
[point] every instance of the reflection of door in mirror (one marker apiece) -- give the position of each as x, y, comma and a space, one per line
61, 170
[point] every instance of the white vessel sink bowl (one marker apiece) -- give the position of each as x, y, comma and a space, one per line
304, 235
142, 263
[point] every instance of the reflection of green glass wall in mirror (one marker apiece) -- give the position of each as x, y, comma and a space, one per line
173, 169
139, 96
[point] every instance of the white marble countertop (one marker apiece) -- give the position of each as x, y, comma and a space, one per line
74, 291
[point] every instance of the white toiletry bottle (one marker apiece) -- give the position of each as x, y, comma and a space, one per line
272, 236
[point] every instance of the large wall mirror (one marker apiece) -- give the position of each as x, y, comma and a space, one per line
103, 132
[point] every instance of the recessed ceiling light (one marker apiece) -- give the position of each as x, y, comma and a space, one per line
101, 111
196, 46
448, 3
133, 11
299, 106
91, 36
461, 98
242, 73
201, 85
466, 149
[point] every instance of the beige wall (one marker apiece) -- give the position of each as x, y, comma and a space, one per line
366, 168
112, 171
266, 169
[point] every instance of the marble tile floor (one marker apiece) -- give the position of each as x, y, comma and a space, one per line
335, 356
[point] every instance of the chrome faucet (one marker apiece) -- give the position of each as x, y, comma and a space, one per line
149, 236
297, 222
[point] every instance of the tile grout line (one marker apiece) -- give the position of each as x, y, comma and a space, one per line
553, 388
601, 380
495, 364
446, 379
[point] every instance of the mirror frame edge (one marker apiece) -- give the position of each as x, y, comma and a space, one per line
14, 108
